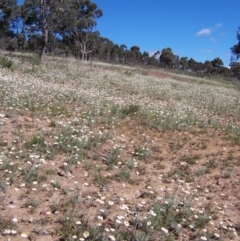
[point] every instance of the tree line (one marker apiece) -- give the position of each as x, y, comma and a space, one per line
68, 27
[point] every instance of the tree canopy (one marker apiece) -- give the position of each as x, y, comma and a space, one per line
7, 8
72, 18
42, 18
167, 57
236, 48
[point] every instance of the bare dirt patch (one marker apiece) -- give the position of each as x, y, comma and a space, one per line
196, 163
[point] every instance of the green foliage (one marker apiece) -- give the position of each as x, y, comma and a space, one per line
75, 18
208, 66
163, 214
32, 203
69, 229
128, 73
123, 175
183, 63
236, 48
7, 9
217, 64
31, 174
141, 152
59, 110
130, 110
6, 63
202, 221
12, 171
36, 141
167, 57
100, 179
235, 68
112, 158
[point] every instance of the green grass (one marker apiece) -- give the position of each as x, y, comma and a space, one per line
112, 159
123, 175
142, 153
36, 141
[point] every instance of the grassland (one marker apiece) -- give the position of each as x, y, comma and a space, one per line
93, 151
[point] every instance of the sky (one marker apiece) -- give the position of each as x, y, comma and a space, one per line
198, 29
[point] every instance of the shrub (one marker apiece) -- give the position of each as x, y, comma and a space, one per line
6, 63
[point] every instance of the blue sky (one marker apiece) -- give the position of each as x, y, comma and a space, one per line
201, 29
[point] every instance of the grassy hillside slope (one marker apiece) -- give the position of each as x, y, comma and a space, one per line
92, 151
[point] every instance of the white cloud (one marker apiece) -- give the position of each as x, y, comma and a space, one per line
205, 51
204, 31
151, 53
218, 25
213, 40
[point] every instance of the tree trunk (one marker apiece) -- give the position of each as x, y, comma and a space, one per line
83, 50
45, 28
45, 42
83, 54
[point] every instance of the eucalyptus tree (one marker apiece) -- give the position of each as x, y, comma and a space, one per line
183, 63
235, 69
7, 9
80, 26
176, 62
199, 69
116, 53
217, 64
146, 58
135, 55
44, 17
119, 53
208, 67
192, 64
167, 57
155, 58
124, 53
236, 48
34, 43
104, 49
